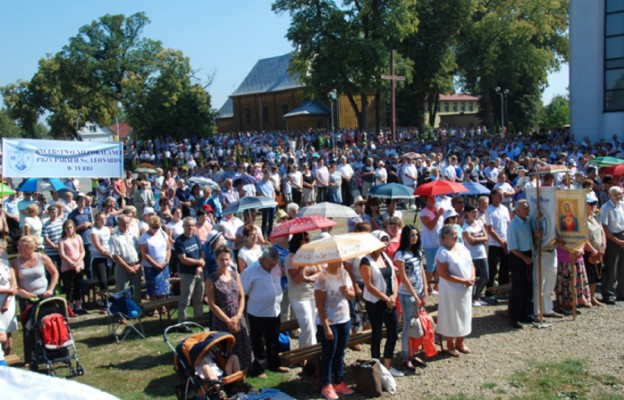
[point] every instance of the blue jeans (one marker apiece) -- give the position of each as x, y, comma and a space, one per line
430, 254
408, 303
483, 272
332, 355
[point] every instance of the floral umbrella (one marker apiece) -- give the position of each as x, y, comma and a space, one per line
301, 224
336, 248
440, 187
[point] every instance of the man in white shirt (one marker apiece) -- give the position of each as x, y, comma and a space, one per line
496, 222
612, 220
505, 188
261, 283
346, 173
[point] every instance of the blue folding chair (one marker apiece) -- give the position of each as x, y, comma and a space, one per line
124, 311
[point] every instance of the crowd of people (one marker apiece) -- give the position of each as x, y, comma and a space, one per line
149, 227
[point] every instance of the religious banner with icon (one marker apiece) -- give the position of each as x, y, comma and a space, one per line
571, 218
548, 220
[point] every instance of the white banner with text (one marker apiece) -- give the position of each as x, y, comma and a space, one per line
34, 158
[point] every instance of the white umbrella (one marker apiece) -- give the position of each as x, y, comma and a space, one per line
327, 209
201, 181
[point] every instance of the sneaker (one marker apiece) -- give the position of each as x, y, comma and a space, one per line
396, 373
80, 311
342, 388
329, 393
433, 293
476, 303
490, 300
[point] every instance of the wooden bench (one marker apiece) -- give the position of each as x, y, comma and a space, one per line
313, 352
12, 359
500, 289
170, 303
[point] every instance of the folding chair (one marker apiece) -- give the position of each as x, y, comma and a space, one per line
124, 311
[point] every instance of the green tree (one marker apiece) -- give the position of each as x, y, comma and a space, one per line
8, 127
556, 113
88, 78
431, 50
346, 48
512, 45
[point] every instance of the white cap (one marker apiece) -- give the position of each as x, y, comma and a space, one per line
148, 210
449, 212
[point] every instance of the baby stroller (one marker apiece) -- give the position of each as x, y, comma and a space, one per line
53, 342
190, 352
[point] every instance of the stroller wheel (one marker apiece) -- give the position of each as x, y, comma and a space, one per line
80, 370
33, 367
180, 393
50, 371
72, 371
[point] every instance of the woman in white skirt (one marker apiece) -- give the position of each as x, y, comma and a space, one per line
457, 276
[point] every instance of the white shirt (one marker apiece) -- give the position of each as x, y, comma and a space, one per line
381, 176
409, 169
263, 289
498, 219
612, 216
336, 304
449, 173
477, 231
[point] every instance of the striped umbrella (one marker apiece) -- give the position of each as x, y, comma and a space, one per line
336, 248
606, 161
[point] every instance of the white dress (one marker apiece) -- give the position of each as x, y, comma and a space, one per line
455, 306
8, 322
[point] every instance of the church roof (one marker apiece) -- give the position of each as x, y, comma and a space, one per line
226, 110
269, 75
308, 108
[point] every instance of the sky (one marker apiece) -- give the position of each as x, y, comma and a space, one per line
224, 37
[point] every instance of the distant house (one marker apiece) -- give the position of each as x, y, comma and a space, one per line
93, 132
125, 130
457, 109
271, 98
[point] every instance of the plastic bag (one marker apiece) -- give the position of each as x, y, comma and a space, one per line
387, 380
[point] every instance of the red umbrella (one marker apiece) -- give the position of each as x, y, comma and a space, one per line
615, 170
301, 224
440, 187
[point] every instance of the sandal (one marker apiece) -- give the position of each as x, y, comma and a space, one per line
155, 314
408, 366
464, 349
418, 362
453, 352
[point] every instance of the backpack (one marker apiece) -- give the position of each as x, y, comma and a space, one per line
54, 330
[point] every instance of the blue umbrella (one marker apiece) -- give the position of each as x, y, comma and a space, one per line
475, 189
249, 203
33, 185
392, 191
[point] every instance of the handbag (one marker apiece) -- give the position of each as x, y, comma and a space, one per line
415, 329
367, 376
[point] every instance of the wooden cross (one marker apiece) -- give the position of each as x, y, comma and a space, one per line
393, 78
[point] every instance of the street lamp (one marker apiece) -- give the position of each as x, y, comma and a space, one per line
332, 95
502, 93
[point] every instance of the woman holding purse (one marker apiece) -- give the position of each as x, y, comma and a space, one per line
412, 289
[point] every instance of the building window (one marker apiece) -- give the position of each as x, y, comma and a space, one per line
470, 106
92, 128
446, 106
284, 109
248, 115
455, 106
265, 113
463, 106
614, 56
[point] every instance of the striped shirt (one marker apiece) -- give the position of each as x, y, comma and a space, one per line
52, 231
